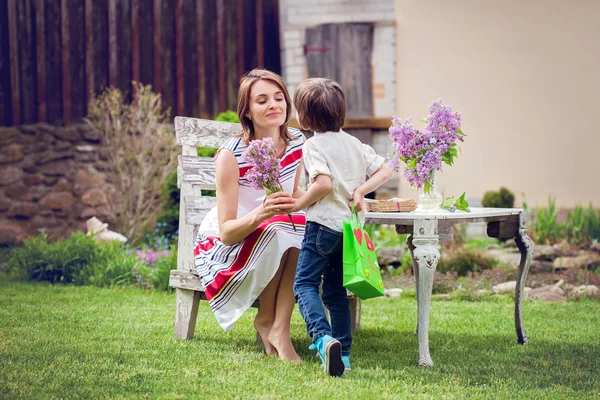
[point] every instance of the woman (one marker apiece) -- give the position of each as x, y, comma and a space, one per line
255, 251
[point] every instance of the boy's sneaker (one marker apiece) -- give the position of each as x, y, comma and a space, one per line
346, 361
330, 351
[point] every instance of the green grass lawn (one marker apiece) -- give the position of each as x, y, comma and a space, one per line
70, 342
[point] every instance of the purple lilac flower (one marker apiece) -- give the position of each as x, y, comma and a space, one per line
424, 151
266, 170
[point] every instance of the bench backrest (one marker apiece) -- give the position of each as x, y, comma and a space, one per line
195, 173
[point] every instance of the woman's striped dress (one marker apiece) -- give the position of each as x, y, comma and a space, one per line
234, 276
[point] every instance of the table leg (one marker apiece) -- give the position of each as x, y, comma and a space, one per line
526, 247
415, 267
426, 255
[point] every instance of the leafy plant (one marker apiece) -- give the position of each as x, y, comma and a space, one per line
141, 154
503, 198
228, 116
462, 261
452, 204
546, 229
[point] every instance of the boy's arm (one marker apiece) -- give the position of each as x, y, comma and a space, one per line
319, 188
377, 179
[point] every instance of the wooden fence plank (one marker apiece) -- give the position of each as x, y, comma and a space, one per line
200, 57
239, 24
5, 75
147, 44
179, 76
156, 24
230, 54
272, 59
221, 50
260, 39
190, 58
249, 49
124, 47
14, 61
167, 54
53, 61
66, 61
135, 40
77, 59
40, 42
27, 70
211, 51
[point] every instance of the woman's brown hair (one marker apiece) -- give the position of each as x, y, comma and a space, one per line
243, 106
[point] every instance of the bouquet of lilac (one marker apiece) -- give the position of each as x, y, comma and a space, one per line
260, 154
423, 152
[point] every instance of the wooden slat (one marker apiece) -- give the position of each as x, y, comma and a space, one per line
156, 23
5, 92
53, 61
77, 59
27, 70
190, 59
90, 50
167, 53
260, 39
40, 41
113, 61
203, 132
239, 25
202, 111
179, 76
221, 75
14, 61
135, 40
196, 208
232, 47
123, 79
66, 61
199, 171
146, 27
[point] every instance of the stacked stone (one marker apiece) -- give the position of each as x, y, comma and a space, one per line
51, 179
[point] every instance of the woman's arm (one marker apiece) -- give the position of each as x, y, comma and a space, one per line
231, 228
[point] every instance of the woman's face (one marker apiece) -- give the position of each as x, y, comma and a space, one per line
267, 105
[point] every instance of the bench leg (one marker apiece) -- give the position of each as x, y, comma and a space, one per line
415, 267
355, 304
186, 311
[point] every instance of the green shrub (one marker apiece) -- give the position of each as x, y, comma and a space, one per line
112, 266
503, 198
463, 261
546, 228
228, 116
61, 261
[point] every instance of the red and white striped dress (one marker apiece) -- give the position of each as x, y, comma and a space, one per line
234, 276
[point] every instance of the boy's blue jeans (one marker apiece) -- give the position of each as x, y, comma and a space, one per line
321, 256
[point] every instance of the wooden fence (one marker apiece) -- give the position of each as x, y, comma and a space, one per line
55, 53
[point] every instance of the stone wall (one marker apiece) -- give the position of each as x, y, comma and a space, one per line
51, 179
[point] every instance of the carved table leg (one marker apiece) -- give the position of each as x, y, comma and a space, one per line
411, 248
426, 255
526, 247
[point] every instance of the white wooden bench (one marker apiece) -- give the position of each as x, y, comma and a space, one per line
194, 174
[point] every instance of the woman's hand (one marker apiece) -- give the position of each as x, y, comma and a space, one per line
278, 203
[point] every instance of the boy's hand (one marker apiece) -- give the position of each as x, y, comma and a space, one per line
357, 198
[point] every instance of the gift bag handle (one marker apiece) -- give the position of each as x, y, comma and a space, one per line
355, 214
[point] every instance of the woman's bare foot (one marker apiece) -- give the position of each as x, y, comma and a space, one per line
263, 329
284, 347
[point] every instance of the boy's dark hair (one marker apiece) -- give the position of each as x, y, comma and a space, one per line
321, 105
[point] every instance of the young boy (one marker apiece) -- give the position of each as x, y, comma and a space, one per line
337, 165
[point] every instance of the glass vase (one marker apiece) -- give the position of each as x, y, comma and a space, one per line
430, 201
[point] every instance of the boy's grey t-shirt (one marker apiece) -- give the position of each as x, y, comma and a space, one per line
347, 161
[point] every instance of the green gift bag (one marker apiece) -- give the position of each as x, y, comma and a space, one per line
361, 271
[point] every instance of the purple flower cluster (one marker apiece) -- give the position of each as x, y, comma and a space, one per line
150, 256
260, 154
424, 151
